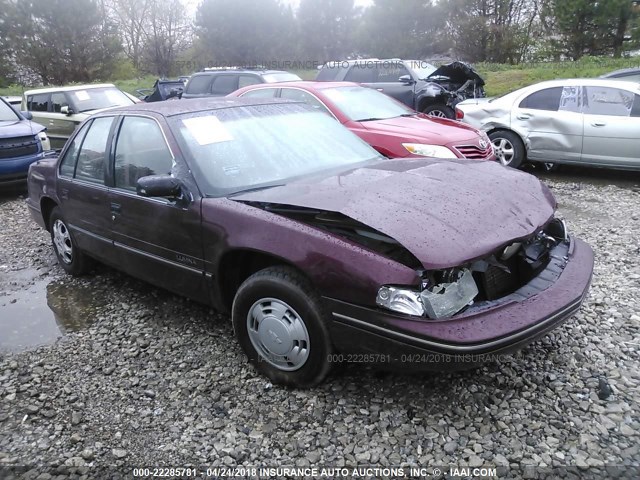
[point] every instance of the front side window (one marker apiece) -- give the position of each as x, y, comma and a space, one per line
391, 72
260, 93
608, 101
246, 80
58, 100
91, 159
236, 149
68, 162
302, 96
38, 103
362, 104
224, 84
198, 84
545, 99
141, 150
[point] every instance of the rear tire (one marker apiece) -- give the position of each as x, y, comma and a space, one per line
508, 147
281, 325
440, 111
70, 257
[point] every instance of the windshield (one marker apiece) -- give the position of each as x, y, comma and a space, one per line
280, 77
361, 104
7, 113
421, 68
97, 98
243, 148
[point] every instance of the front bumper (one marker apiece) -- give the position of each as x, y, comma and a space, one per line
14, 170
466, 340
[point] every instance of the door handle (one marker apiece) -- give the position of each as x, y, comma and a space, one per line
523, 116
116, 207
380, 89
598, 124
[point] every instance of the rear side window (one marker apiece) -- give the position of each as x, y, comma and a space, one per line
246, 80
198, 84
608, 101
546, 99
224, 84
68, 163
141, 150
91, 159
362, 73
38, 103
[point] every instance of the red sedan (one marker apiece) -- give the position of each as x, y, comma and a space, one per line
390, 127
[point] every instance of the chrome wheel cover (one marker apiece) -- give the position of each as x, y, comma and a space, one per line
437, 113
505, 151
62, 241
278, 334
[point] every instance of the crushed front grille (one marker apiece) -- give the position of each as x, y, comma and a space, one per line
18, 147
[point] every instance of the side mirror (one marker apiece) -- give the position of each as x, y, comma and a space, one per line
159, 186
27, 115
66, 110
406, 79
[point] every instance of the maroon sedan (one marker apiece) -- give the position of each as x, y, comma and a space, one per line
389, 126
317, 245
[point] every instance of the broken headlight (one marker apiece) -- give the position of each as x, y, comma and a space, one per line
439, 301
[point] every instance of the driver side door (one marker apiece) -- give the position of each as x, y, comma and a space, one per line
157, 239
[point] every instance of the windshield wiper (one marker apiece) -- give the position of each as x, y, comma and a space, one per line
255, 189
409, 114
372, 119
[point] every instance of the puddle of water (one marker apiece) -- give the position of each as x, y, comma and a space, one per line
37, 311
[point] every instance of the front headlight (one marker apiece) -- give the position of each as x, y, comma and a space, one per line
425, 150
438, 301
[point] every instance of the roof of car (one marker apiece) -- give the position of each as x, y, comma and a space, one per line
304, 84
238, 70
69, 88
579, 82
169, 108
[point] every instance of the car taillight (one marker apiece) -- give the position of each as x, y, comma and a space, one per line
459, 114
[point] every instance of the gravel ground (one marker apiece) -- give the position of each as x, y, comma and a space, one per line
159, 381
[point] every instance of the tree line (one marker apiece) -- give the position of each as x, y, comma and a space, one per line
61, 41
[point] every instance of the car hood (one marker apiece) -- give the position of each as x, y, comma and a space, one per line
457, 72
424, 129
445, 212
19, 128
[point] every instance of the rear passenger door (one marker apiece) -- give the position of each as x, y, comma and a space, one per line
611, 127
157, 239
551, 120
82, 188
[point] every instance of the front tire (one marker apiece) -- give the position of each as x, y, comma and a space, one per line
70, 257
440, 111
281, 325
508, 147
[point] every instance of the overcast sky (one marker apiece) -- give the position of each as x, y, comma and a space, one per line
193, 4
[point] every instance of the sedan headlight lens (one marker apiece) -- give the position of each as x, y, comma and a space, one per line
425, 150
439, 301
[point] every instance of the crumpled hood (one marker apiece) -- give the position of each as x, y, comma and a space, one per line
458, 72
19, 128
425, 129
445, 212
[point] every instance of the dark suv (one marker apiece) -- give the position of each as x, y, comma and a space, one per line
416, 83
218, 83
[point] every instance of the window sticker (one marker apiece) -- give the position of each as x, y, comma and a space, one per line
82, 95
207, 130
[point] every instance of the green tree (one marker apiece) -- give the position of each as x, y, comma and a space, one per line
50, 39
326, 29
242, 32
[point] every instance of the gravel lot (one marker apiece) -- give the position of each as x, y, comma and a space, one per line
156, 380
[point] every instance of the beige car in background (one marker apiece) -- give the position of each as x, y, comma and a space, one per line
62, 109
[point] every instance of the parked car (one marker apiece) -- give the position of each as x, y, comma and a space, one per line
221, 82
578, 121
390, 127
316, 244
62, 109
22, 142
163, 89
417, 84
13, 100
627, 74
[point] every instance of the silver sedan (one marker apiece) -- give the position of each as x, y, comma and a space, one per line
592, 122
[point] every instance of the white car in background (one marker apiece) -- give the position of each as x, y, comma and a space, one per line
592, 122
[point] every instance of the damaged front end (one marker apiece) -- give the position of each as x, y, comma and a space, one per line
514, 272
